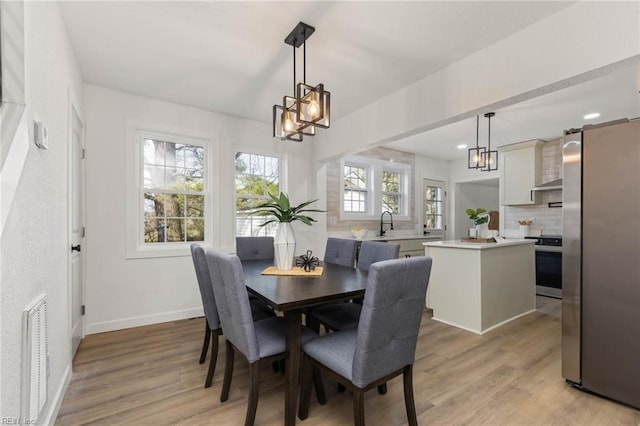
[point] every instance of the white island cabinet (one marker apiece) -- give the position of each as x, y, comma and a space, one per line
480, 286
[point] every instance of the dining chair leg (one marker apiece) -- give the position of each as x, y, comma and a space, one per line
213, 360
358, 407
205, 344
305, 388
317, 383
407, 378
341, 388
228, 372
382, 389
254, 393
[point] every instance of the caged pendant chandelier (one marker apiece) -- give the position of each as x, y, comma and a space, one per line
477, 155
309, 107
490, 157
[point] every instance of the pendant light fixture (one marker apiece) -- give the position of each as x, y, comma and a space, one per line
309, 107
491, 157
477, 155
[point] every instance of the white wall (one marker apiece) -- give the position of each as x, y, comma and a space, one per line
34, 245
472, 196
574, 45
123, 292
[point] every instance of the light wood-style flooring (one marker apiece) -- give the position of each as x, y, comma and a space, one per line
510, 376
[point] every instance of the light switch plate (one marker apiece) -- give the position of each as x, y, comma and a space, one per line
41, 135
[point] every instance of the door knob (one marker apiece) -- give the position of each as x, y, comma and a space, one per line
76, 248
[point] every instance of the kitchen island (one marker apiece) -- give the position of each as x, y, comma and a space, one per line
481, 286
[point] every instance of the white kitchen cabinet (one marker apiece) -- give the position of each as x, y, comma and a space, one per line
519, 166
413, 247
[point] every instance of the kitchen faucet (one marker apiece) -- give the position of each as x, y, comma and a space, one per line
382, 230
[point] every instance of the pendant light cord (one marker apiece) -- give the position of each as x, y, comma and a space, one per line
477, 132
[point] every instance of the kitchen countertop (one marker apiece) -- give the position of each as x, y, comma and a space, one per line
501, 242
398, 237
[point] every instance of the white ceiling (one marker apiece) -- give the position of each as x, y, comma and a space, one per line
231, 57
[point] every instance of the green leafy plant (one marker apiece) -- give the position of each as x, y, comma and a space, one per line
281, 210
478, 216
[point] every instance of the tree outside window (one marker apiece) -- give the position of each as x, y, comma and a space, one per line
355, 189
391, 191
173, 191
257, 176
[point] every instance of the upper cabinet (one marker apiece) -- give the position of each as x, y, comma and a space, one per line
520, 165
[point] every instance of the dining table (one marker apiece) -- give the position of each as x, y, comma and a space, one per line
294, 295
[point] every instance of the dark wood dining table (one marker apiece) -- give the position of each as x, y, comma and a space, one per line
293, 295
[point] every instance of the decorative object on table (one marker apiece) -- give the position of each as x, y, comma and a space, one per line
309, 107
359, 233
308, 261
283, 213
296, 271
525, 227
480, 219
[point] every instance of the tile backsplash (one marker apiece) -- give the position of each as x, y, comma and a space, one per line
547, 220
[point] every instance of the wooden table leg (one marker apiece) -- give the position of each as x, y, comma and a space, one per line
294, 337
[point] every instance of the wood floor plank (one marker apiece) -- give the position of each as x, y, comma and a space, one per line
510, 376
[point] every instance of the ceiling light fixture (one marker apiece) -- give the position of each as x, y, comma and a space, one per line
591, 116
490, 157
309, 107
477, 155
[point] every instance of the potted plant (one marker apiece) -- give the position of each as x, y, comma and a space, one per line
283, 213
480, 219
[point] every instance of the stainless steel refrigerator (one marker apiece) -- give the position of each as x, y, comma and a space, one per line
601, 260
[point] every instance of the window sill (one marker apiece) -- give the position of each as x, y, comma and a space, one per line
177, 250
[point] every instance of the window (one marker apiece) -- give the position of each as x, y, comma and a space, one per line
169, 191
173, 194
434, 203
370, 187
257, 176
355, 189
391, 191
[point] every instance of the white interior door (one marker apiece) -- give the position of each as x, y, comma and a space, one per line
77, 230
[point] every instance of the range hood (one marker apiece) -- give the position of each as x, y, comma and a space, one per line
549, 186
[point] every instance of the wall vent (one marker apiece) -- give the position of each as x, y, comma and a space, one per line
35, 368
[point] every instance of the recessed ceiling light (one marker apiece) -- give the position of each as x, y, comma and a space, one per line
591, 116
461, 146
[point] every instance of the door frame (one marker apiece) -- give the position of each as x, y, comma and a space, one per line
73, 112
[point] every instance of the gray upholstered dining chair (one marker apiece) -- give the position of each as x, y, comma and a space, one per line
212, 323
254, 248
341, 251
259, 341
384, 343
338, 316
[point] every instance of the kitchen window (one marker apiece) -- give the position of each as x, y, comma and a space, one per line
370, 186
170, 201
256, 177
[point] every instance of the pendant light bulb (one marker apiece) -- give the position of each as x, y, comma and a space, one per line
287, 122
313, 108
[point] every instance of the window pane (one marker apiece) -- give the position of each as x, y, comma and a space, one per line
175, 230
390, 203
195, 229
153, 204
195, 206
174, 205
257, 176
154, 230
390, 182
355, 177
175, 178
153, 152
153, 177
355, 201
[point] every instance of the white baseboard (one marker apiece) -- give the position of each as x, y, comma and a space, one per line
481, 332
56, 401
120, 324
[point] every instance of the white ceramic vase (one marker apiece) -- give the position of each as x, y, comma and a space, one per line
284, 245
482, 230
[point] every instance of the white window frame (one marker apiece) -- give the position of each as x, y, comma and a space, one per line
443, 186
136, 133
282, 173
374, 168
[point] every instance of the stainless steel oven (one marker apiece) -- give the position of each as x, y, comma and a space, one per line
548, 265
